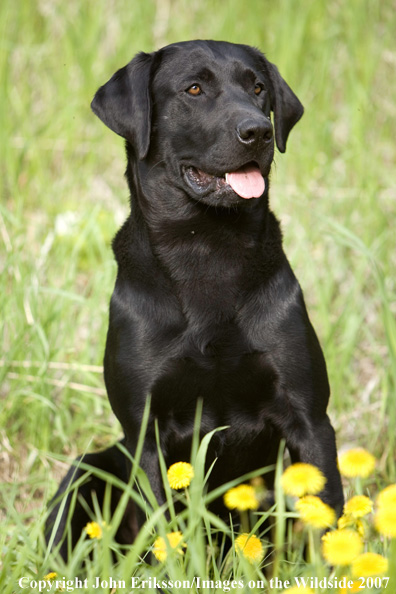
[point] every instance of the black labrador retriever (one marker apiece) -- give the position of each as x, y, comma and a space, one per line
206, 305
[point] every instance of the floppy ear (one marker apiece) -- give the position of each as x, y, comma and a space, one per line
285, 105
124, 103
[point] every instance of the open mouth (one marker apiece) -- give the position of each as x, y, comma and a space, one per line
247, 181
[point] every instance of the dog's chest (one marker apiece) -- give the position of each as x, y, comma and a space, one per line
235, 386
214, 358
211, 278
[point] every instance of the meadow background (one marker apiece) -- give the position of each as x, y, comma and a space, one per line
63, 196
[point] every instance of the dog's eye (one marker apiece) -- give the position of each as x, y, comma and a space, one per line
258, 88
194, 90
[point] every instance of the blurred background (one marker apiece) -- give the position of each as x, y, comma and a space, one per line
63, 196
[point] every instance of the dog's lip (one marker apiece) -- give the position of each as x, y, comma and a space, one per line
201, 172
203, 182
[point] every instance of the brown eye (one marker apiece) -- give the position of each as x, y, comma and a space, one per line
257, 89
194, 90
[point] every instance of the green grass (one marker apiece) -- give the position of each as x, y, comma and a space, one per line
63, 197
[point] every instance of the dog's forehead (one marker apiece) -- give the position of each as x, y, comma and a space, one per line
189, 58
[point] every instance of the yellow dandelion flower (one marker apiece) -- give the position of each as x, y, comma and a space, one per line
50, 576
356, 462
298, 590
369, 564
258, 482
160, 550
385, 520
180, 475
94, 530
315, 512
358, 506
250, 547
387, 496
341, 547
347, 521
302, 479
242, 497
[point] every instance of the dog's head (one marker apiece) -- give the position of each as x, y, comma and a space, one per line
201, 112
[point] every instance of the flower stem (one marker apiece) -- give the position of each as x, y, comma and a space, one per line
245, 524
358, 486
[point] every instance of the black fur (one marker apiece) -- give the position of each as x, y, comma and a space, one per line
206, 305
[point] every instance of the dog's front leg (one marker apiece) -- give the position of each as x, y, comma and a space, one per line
149, 463
313, 442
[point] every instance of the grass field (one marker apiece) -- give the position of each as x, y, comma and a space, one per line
63, 197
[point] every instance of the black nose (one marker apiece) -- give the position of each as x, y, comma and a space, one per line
252, 130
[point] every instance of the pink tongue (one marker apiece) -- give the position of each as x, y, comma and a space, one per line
247, 182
